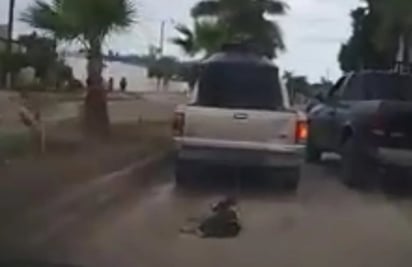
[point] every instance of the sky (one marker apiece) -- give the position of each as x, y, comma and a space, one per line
313, 30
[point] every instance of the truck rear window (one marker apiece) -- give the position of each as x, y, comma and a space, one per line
239, 86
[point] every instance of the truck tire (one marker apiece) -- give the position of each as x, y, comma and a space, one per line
184, 174
313, 153
292, 178
282, 179
358, 168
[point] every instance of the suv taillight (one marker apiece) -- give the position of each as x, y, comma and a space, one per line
178, 124
301, 132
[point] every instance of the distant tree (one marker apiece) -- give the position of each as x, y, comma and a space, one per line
40, 52
361, 50
153, 51
187, 40
326, 83
321, 87
207, 37
296, 84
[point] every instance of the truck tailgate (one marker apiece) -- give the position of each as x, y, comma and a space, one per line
240, 125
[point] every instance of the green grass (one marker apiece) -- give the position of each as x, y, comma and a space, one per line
66, 138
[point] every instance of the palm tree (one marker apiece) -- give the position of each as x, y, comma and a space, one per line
206, 37
397, 22
247, 19
186, 41
89, 22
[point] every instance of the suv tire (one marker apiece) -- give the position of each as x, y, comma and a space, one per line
312, 153
357, 166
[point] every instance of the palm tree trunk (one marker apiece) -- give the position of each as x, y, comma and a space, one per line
9, 45
96, 119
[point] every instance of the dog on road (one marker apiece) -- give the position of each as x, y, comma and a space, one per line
223, 222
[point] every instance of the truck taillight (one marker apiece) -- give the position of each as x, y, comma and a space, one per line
178, 124
302, 131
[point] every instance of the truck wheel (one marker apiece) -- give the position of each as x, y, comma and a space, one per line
313, 153
292, 178
357, 166
286, 179
184, 174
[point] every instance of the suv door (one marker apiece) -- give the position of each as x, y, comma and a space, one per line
351, 93
332, 113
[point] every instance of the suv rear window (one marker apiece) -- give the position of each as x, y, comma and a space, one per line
388, 87
240, 86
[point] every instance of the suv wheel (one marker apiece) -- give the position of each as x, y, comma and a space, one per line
357, 166
313, 153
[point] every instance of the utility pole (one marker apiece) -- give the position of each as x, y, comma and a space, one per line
9, 46
162, 37
328, 74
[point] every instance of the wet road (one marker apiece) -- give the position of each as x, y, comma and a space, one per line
136, 224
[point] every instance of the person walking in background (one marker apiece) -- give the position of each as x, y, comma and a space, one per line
110, 84
123, 84
166, 80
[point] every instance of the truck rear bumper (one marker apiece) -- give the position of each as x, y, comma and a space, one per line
240, 153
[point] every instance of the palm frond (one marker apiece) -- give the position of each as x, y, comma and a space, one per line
99, 17
184, 44
80, 18
184, 30
274, 7
45, 16
210, 36
396, 20
207, 37
275, 33
206, 8
186, 41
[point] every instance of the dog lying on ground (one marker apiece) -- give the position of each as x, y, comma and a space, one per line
223, 222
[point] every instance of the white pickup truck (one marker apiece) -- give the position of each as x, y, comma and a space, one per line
240, 118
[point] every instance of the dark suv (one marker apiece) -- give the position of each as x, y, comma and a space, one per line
366, 118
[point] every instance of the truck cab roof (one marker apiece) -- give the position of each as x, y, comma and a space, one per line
233, 57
